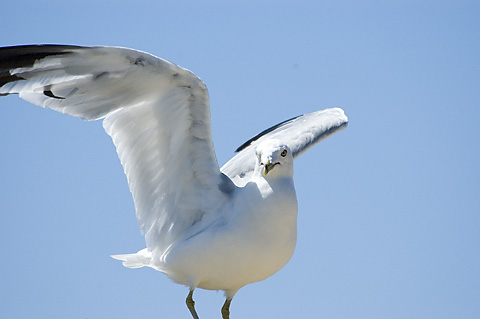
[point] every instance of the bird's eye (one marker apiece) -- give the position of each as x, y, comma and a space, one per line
284, 153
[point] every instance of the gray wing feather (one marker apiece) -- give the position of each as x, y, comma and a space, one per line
156, 112
299, 133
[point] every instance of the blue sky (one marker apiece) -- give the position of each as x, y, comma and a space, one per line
389, 209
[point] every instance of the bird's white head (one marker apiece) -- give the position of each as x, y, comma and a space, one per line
274, 159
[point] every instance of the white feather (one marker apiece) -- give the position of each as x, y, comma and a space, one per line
204, 227
158, 116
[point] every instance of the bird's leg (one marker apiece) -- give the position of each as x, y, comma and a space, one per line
226, 309
191, 305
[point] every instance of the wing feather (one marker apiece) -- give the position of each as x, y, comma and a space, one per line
156, 113
299, 133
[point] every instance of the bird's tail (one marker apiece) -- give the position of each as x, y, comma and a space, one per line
137, 260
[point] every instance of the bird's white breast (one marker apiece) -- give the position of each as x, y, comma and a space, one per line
255, 240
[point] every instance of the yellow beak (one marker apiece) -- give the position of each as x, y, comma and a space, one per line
268, 167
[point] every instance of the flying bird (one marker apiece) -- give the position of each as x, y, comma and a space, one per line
205, 226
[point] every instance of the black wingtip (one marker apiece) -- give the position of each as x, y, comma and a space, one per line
6, 77
25, 55
268, 130
49, 93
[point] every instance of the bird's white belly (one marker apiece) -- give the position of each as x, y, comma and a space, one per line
230, 262
245, 250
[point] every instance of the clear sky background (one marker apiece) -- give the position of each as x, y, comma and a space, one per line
389, 209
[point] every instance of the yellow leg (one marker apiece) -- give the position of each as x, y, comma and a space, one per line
191, 305
226, 309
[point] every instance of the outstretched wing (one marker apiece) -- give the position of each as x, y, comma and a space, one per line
299, 133
156, 113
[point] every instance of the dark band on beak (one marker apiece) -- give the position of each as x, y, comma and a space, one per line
268, 167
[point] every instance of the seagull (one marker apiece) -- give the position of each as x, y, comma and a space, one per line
204, 226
